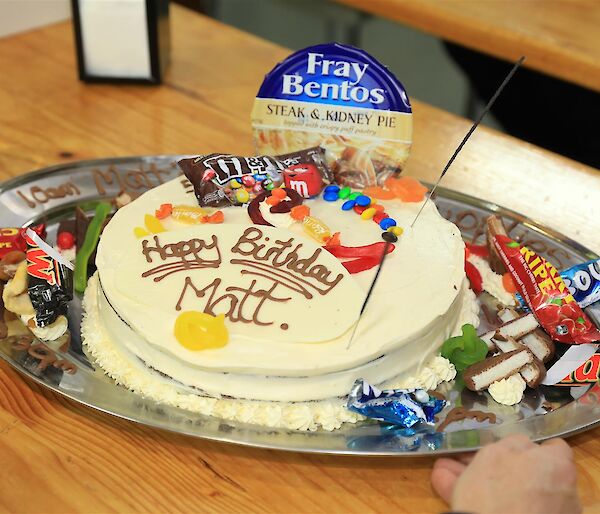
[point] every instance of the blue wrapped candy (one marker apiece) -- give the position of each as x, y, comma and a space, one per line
583, 281
403, 407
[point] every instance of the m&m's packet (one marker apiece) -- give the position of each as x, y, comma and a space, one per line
546, 293
583, 282
223, 179
402, 407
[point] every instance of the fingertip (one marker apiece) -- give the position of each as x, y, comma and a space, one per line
444, 474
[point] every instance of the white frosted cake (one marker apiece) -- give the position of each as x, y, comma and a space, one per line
289, 305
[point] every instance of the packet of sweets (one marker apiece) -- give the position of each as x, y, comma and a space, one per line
583, 282
50, 280
403, 407
223, 179
546, 294
13, 238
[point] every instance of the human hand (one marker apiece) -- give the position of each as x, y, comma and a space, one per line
513, 475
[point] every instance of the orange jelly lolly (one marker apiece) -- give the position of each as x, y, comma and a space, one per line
299, 212
379, 193
279, 193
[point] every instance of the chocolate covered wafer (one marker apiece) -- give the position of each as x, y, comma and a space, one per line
537, 341
533, 373
479, 376
515, 328
495, 226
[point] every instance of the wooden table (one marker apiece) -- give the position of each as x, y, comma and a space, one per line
559, 37
57, 456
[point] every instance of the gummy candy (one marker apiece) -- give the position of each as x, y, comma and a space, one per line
196, 330
299, 212
466, 349
379, 193
316, 229
273, 200
217, 217
408, 189
188, 214
279, 193
164, 211
140, 232
153, 224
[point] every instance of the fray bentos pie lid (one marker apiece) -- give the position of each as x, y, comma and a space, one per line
341, 98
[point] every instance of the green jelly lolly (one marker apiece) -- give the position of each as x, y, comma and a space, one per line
92, 235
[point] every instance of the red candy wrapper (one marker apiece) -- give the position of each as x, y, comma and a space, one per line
13, 239
587, 373
546, 294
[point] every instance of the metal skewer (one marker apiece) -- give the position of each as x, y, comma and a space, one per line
456, 152
468, 135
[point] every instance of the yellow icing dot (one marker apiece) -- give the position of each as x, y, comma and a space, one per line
315, 228
367, 214
189, 214
153, 224
397, 231
200, 331
140, 232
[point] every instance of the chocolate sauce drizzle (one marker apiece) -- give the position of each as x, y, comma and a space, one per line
462, 413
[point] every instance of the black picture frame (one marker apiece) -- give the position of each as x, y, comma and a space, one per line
157, 18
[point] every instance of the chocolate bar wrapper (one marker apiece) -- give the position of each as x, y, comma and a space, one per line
546, 294
586, 374
222, 179
50, 280
402, 407
13, 238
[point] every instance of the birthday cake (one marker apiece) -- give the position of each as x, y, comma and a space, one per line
278, 301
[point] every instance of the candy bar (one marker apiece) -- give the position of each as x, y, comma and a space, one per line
223, 179
479, 376
50, 280
515, 328
546, 294
11, 239
494, 227
583, 281
403, 407
532, 373
537, 341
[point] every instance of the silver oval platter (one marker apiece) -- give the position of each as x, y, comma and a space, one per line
50, 195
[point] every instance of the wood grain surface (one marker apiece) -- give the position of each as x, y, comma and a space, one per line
559, 37
58, 456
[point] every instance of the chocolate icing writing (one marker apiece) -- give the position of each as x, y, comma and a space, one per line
41, 352
461, 413
131, 180
41, 195
186, 255
244, 308
284, 254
